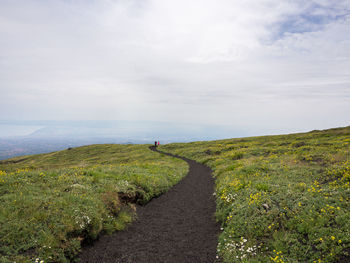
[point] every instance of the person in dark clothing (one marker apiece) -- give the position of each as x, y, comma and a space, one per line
155, 144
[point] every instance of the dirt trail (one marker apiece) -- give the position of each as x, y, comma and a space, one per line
179, 226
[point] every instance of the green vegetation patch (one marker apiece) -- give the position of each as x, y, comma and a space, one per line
51, 203
280, 198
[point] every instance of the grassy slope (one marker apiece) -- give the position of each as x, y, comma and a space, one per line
51, 202
280, 198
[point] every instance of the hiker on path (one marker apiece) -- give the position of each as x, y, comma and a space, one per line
155, 144
158, 143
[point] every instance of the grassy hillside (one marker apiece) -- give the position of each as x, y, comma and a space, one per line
51, 203
280, 198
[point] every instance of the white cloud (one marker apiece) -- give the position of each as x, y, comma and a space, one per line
256, 63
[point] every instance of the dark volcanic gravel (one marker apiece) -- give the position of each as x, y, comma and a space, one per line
179, 226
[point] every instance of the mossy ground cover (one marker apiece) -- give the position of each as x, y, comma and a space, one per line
51, 203
280, 198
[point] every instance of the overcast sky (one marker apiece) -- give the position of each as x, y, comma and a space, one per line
265, 65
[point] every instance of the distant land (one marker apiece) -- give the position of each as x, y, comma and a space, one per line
11, 147
33, 137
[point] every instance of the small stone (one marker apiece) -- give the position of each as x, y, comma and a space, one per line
266, 206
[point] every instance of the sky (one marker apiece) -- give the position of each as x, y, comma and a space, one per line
265, 66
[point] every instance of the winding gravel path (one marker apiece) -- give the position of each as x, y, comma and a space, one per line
179, 226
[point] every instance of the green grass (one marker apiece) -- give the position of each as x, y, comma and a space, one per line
51, 203
280, 198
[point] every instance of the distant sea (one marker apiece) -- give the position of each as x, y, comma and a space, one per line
8, 130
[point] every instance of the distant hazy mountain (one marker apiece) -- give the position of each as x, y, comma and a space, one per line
31, 137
